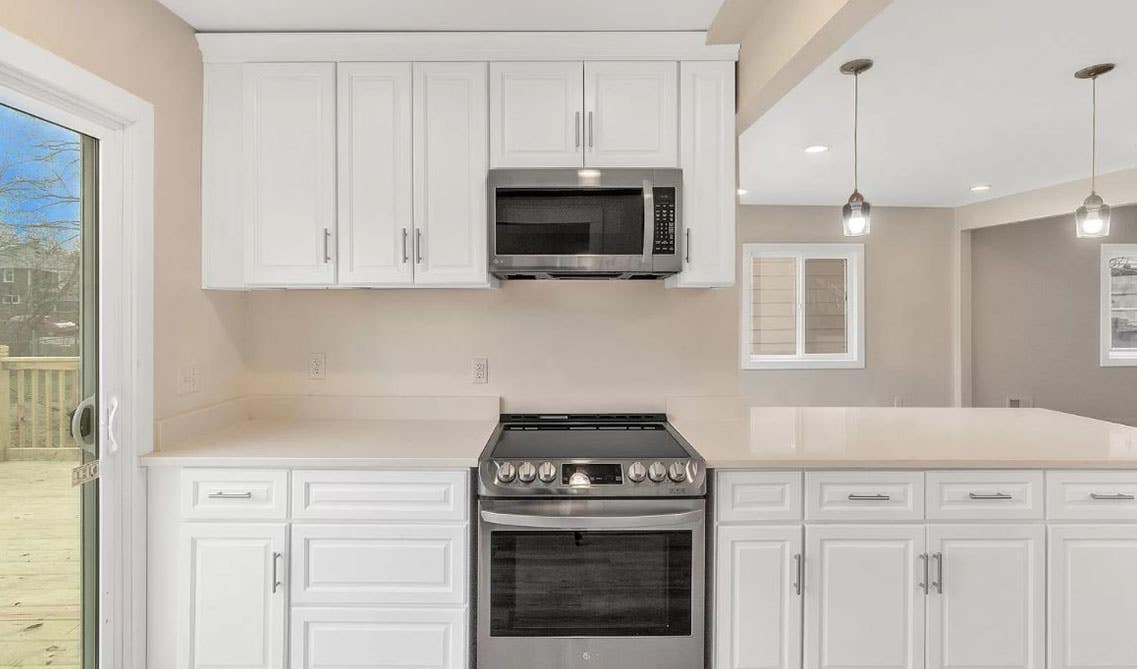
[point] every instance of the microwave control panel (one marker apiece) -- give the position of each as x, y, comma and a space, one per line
664, 243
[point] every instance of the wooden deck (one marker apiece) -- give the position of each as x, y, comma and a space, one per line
39, 565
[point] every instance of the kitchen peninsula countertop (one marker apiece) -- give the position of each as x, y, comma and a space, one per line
731, 435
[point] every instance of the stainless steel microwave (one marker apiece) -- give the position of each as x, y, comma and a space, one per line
585, 224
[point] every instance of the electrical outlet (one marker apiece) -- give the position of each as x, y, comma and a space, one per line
898, 401
189, 379
481, 370
1020, 402
317, 366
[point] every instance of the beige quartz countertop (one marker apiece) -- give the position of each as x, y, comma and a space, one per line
730, 435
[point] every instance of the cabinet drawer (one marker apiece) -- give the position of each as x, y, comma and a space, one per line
864, 496
996, 495
379, 564
1078, 495
364, 637
380, 495
758, 496
234, 494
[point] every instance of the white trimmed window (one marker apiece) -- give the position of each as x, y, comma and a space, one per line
1118, 304
803, 306
9, 276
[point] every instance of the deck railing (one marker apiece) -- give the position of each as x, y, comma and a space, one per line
37, 395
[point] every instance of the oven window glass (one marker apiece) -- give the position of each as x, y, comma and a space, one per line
606, 221
552, 584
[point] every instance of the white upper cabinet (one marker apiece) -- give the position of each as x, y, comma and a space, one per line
631, 114
450, 166
536, 114
290, 127
708, 162
374, 156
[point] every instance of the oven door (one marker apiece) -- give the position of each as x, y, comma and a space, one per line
591, 583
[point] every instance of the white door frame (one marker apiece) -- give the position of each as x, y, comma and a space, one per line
38, 82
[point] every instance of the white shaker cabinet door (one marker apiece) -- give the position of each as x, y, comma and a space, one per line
1093, 596
987, 602
707, 140
450, 167
290, 130
631, 114
758, 597
232, 605
864, 605
536, 114
374, 157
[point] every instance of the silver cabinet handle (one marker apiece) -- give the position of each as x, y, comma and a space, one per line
923, 585
327, 251
799, 564
938, 584
854, 497
1116, 496
994, 496
405, 256
590, 136
576, 127
220, 494
418, 246
276, 582
687, 246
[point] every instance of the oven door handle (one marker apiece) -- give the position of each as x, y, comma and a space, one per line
635, 522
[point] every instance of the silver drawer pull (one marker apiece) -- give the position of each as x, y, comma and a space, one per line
799, 568
230, 495
923, 585
1117, 496
995, 496
853, 497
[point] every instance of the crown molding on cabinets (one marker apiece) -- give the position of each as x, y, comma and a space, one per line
460, 46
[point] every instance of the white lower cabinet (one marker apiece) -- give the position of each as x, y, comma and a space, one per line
758, 608
864, 606
232, 599
380, 638
1093, 596
986, 606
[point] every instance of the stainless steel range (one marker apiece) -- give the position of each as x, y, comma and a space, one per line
591, 544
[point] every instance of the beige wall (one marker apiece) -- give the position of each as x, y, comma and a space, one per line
614, 345
1035, 318
143, 48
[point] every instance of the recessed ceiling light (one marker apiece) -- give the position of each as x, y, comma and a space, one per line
979, 188
816, 148
742, 191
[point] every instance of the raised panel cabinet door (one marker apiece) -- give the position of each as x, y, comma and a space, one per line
232, 602
987, 602
536, 114
707, 141
864, 603
450, 166
290, 127
1093, 596
758, 594
631, 114
374, 156
387, 638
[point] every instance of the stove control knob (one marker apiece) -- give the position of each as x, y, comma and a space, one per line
547, 472
677, 471
657, 472
637, 472
526, 472
506, 472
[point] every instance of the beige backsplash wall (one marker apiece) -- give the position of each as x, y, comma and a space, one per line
614, 345
142, 47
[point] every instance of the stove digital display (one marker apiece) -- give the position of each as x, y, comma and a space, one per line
595, 474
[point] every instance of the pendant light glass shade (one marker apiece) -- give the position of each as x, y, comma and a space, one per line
1092, 218
855, 215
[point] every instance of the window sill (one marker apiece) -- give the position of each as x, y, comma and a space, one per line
800, 363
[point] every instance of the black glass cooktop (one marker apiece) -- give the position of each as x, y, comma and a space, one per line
586, 436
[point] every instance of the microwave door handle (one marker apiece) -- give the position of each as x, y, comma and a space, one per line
647, 521
649, 221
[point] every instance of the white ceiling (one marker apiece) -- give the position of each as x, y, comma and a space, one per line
380, 15
963, 92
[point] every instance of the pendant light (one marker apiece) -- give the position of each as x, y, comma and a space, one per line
855, 213
1092, 218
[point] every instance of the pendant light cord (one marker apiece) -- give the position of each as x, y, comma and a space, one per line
1093, 134
856, 97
